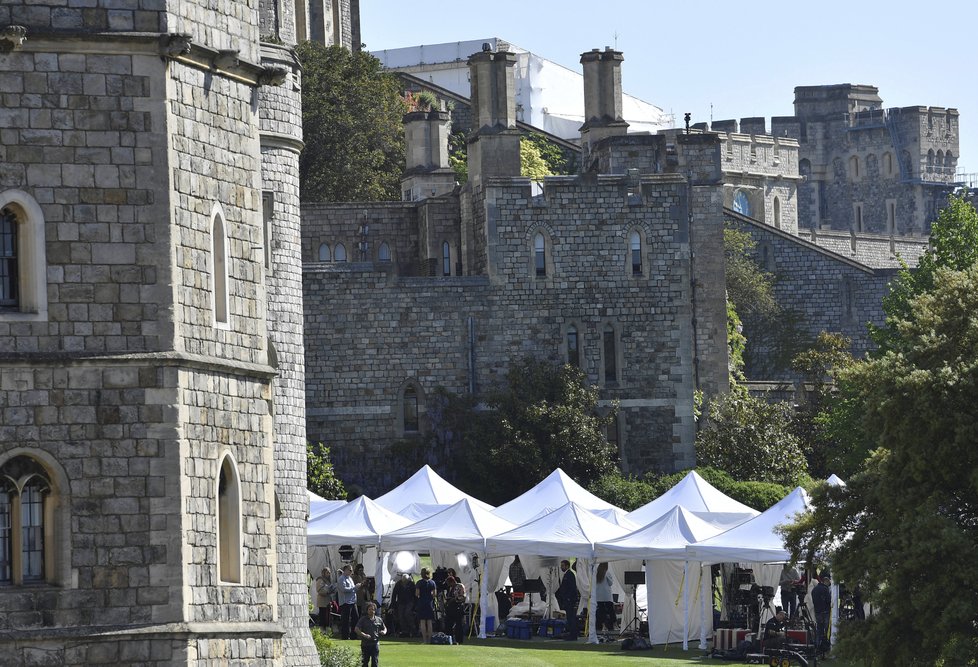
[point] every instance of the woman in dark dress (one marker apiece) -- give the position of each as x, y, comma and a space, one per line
425, 591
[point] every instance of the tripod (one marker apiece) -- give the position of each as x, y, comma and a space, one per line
635, 625
810, 629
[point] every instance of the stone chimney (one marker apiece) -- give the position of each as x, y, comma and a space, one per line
602, 97
428, 173
494, 144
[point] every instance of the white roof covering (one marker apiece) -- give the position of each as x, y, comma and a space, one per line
319, 506
556, 490
697, 495
359, 522
549, 96
463, 526
756, 540
665, 538
835, 480
568, 531
424, 487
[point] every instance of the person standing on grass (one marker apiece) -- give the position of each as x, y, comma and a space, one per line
370, 628
425, 592
347, 590
568, 598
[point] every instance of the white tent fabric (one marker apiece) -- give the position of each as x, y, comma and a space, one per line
556, 490
318, 506
834, 480
360, 522
462, 527
697, 495
424, 487
569, 531
419, 511
755, 541
662, 544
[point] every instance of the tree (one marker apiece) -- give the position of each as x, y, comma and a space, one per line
544, 416
826, 449
532, 163
906, 526
953, 244
772, 333
751, 439
321, 479
352, 126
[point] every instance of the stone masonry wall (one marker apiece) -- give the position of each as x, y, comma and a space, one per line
827, 292
369, 331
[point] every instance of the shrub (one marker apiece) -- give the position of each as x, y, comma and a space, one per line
333, 653
628, 493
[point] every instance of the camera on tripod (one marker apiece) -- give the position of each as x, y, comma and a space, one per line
765, 592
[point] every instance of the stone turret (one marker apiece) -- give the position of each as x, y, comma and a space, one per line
494, 145
428, 173
602, 98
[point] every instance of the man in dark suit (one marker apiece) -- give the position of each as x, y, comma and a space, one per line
568, 598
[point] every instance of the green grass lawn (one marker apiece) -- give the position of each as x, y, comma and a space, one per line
539, 653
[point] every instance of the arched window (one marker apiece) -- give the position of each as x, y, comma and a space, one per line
857, 217
635, 252
854, 168
26, 522
777, 213
767, 259
219, 262
930, 161
609, 353
540, 255
573, 347
741, 203
23, 269
228, 522
949, 164
384, 252
887, 164
939, 162
339, 253
323, 252
446, 259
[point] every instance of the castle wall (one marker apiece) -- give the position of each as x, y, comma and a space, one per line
123, 389
819, 290
370, 330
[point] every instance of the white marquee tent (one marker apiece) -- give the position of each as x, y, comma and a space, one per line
318, 506
556, 490
755, 541
696, 495
461, 528
424, 487
570, 531
662, 545
360, 524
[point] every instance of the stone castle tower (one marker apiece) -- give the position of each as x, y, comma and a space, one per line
152, 464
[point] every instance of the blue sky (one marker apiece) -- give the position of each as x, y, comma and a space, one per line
744, 58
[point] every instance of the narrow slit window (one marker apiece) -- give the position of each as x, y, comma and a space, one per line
540, 255
384, 252
410, 404
610, 356
9, 291
229, 523
219, 256
635, 245
446, 259
573, 349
